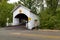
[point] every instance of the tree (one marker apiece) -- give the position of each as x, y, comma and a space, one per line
49, 18
52, 5
3, 0
5, 12
31, 4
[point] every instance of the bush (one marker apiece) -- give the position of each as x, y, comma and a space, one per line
2, 23
5, 12
49, 21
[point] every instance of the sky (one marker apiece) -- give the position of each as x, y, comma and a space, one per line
12, 1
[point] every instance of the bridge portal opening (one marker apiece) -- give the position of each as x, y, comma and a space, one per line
23, 19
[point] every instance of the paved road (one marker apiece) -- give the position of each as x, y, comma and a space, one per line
14, 34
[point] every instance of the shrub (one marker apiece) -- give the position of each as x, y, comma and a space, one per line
49, 21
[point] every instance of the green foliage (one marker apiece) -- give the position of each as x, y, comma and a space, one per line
49, 18
31, 4
28, 3
49, 21
52, 5
5, 12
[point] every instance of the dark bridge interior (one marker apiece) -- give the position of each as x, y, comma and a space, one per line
22, 18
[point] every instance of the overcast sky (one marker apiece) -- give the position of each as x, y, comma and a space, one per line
12, 1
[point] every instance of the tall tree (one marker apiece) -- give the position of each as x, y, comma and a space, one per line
5, 12
3, 0
52, 5
31, 4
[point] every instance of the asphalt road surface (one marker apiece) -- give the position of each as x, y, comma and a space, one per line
14, 34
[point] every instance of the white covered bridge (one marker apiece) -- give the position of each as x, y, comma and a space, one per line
22, 13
